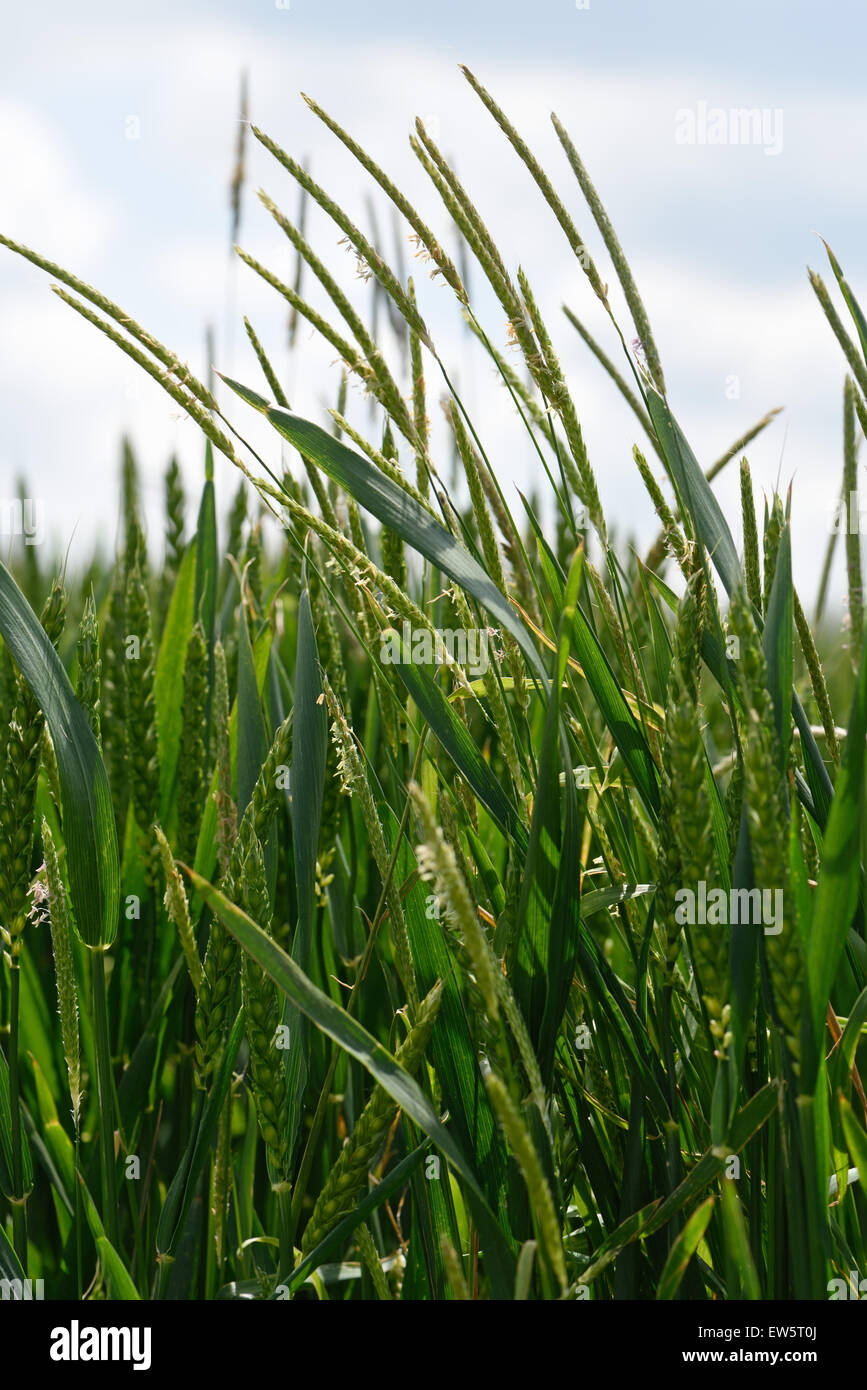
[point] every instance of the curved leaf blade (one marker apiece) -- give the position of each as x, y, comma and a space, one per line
457, 740
400, 512
349, 1034
88, 816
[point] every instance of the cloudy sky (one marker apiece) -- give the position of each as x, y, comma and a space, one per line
117, 132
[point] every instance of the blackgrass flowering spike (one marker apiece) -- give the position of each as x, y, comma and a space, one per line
64, 967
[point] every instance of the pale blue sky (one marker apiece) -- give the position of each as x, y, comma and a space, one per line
718, 236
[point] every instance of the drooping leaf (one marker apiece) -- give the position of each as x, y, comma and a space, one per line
117, 1276
379, 495
621, 723
349, 1034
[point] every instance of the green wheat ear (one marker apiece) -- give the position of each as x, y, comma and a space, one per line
672, 536
18, 784
768, 823
178, 909
221, 954
853, 356
192, 765
89, 666
113, 699
227, 812
141, 752
817, 679
175, 503
349, 1174
852, 537
263, 1011
437, 864
543, 182
751, 537
64, 967
444, 265
688, 814
354, 782
366, 252
533, 1173
251, 567
551, 1180
774, 524
621, 265
168, 359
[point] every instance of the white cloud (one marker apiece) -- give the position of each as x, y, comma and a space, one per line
44, 199
699, 225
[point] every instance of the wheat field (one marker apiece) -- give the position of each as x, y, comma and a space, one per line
408, 890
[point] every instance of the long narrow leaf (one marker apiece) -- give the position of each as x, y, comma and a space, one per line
88, 816
343, 1029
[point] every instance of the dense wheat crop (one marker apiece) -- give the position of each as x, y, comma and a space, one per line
407, 891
